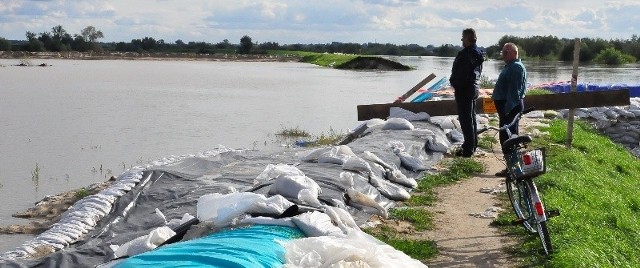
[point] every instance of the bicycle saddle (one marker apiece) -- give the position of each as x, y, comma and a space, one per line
512, 142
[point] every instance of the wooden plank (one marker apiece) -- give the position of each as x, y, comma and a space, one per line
415, 88
540, 102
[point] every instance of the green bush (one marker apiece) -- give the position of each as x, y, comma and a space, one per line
612, 56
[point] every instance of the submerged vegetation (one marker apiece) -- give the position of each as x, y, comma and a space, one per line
303, 138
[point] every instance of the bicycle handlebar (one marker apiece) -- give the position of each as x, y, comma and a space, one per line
516, 118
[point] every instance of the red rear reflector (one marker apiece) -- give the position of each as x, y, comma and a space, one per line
526, 159
539, 208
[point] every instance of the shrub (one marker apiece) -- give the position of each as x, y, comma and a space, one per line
612, 56
5, 45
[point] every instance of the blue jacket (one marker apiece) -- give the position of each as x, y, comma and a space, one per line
466, 71
511, 85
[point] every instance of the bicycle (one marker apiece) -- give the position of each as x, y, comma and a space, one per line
522, 167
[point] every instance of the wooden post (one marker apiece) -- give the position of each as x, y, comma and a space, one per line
574, 84
415, 88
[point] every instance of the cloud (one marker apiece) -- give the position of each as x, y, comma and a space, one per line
292, 21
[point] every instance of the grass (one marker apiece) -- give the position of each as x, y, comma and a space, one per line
415, 213
486, 142
321, 59
293, 133
420, 218
538, 91
331, 138
595, 186
82, 193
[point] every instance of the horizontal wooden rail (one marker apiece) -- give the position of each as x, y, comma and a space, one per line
484, 105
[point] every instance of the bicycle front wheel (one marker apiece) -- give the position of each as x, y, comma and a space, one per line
518, 192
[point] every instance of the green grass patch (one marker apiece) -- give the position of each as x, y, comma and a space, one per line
595, 186
321, 59
538, 91
294, 133
417, 249
456, 169
420, 218
487, 142
82, 193
421, 199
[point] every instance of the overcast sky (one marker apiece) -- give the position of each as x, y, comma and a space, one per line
420, 22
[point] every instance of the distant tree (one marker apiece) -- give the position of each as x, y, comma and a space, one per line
148, 43
447, 50
90, 34
245, 45
33, 44
180, 43
5, 45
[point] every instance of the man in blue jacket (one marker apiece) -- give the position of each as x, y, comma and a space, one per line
465, 74
509, 92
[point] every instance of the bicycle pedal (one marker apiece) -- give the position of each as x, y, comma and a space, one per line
518, 221
553, 213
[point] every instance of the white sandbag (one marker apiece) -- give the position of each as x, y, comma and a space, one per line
357, 248
445, 122
273, 171
437, 144
333, 157
316, 224
289, 186
375, 159
356, 164
396, 146
145, 243
396, 176
274, 205
314, 155
397, 124
222, 208
397, 112
309, 197
455, 136
413, 163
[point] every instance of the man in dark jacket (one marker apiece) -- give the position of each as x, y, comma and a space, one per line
465, 74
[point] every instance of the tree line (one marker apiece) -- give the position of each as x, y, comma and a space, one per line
549, 48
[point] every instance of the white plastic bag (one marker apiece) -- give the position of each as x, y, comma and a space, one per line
145, 243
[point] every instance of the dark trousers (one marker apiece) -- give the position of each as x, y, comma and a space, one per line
506, 117
467, 118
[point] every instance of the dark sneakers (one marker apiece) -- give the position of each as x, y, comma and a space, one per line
502, 173
460, 153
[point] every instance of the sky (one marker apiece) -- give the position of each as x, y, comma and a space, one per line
422, 22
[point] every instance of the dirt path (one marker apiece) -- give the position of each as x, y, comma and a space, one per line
464, 212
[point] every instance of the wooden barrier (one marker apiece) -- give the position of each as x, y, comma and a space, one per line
540, 102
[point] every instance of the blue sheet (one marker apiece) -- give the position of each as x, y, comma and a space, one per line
253, 246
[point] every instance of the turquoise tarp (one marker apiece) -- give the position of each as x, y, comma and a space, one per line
253, 246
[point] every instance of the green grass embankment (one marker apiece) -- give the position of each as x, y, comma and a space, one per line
595, 186
344, 61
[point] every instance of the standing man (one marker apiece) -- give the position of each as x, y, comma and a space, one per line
509, 92
465, 74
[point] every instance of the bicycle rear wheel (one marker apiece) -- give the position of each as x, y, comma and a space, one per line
540, 222
543, 232
518, 192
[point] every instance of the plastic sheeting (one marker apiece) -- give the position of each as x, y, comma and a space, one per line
173, 186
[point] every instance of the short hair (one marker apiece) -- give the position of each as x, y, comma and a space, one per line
470, 32
512, 46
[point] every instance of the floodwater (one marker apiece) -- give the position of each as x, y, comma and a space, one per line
79, 122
